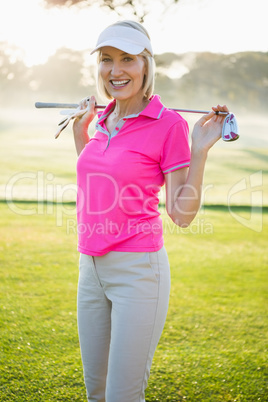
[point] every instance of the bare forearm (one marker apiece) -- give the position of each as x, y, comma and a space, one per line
184, 191
81, 138
188, 198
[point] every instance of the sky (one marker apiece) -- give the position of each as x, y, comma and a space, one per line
222, 26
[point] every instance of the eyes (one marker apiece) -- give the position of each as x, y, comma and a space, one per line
107, 59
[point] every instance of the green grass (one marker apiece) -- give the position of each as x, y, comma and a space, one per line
32, 159
214, 345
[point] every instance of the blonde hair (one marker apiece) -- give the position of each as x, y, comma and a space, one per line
149, 77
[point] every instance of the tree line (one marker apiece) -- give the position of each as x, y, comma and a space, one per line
191, 80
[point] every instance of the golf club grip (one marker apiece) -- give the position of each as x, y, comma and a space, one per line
42, 105
50, 105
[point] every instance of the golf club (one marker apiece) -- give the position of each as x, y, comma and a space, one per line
229, 129
42, 105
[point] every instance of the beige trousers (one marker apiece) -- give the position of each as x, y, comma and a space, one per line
122, 306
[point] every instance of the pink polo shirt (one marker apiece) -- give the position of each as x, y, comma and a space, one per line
120, 174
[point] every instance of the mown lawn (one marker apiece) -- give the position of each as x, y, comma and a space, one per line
214, 345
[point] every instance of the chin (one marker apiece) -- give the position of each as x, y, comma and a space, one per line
119, 96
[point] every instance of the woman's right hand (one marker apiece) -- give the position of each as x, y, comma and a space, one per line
80, 126
81, 123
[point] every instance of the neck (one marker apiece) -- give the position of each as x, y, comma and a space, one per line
129, 106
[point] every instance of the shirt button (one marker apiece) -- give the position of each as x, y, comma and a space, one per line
117, 128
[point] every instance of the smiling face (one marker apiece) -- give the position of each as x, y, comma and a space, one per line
122, 73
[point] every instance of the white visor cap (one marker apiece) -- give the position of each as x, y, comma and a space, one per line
129, 40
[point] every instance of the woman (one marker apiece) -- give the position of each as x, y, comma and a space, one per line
138, 146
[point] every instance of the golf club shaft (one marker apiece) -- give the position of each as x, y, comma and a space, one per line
42, 105
51, 105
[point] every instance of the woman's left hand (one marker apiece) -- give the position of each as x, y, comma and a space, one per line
207, 130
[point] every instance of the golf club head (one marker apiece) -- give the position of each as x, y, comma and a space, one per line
230, 131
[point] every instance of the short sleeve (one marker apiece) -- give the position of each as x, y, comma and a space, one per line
176, 152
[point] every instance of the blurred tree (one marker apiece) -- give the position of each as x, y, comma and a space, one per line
61, 74
239, 80
138, 7
13, 73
